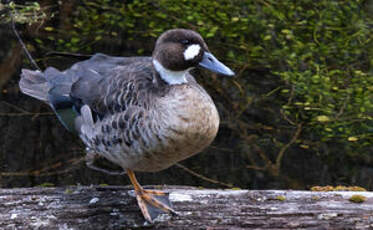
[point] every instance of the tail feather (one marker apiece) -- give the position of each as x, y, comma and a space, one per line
34, 84
52, 87
67, 91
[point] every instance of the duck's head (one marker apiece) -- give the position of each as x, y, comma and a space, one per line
179, 50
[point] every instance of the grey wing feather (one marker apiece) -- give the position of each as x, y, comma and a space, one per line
88, 82
115, 86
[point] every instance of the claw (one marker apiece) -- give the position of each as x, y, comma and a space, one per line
152, 203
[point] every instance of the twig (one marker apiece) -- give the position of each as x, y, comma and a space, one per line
288, 103
22, 112
285, 147
14, 107
262, 155
258, 168
286, 117
274, 168
22, 43
67, 54
221, 149
272, 91
268, 166
90, 160
203, 177
72, 162
241, 70
343, 107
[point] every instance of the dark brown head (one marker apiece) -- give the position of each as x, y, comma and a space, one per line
179, 50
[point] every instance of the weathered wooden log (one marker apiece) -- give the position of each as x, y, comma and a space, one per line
113, 207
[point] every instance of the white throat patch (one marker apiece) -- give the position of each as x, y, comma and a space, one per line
191, 52
171, 77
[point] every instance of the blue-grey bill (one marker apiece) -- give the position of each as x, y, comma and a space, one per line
211, 63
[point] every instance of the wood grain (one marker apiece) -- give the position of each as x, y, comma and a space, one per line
112, 207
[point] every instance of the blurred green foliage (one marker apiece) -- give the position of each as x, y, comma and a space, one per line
318, 54
27, 13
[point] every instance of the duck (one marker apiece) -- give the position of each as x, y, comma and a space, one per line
144, 114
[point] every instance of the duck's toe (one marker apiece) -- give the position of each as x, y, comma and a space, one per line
153, 203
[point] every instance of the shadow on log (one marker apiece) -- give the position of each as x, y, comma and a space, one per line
113, 207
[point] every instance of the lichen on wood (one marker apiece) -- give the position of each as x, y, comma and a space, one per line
114, 207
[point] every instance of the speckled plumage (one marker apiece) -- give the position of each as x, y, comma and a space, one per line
145, 124
139, 121
142, 113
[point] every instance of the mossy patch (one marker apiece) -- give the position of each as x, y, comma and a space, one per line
350, 188
322, 188
315, 198
357, 198
46, 185
280, 198
329, 188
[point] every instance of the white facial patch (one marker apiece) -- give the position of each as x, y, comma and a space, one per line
191, 52
169, 76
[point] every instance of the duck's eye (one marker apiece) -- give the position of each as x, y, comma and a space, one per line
185, 42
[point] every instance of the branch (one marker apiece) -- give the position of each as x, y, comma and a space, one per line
22, 112
274, 168
114, 207
203, 177
44, 171
285, 147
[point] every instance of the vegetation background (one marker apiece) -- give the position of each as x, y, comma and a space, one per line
298, 113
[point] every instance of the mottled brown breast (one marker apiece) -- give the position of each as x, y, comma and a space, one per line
187, 122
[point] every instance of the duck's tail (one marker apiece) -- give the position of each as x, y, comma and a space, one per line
34, 84
53, 87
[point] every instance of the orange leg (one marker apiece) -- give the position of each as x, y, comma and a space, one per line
151, 202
